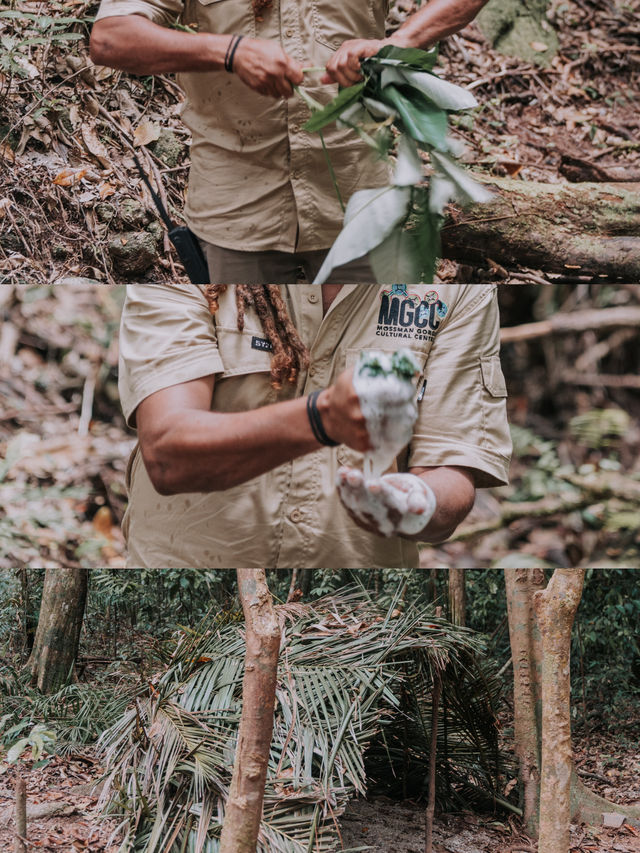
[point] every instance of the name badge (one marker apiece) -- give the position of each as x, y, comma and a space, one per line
261, 344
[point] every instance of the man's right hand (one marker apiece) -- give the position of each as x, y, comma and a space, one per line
264, 67
342, 416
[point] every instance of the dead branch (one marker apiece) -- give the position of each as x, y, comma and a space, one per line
579, 321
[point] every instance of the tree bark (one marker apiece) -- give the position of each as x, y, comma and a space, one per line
556, 609
55, 647
457, 597
244, 806
526, 645
590, 228
526, 649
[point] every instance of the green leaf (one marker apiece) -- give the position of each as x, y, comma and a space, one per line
440, 92
370, 217
464, 188
16, 750
335, 108
421, 119
410, 56
409, 166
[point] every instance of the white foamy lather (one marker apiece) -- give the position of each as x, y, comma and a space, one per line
385, 384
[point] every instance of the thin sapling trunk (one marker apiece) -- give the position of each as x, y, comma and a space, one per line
244, 806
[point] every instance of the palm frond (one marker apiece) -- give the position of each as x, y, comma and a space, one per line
346, 666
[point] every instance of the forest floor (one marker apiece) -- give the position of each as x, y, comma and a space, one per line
64, 447
72, 203
63, 817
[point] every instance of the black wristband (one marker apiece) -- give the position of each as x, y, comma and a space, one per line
231, 52
315, 419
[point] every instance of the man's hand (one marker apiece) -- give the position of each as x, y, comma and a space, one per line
342, 417
264, 67
394, 505
344, 65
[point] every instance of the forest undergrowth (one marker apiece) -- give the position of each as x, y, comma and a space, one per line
73, 205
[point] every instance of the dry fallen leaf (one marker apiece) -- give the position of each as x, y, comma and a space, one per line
539, 46
146, 132
95, 146
106, 189
68, 177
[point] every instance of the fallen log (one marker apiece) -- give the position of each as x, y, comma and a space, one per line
589, 228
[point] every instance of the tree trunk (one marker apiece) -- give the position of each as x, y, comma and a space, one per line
457, 597
55, 647
526, 650
590, 228
526, 646
556, 609
246, 796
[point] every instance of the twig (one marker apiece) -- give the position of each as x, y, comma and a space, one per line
88, 395
431, 803
21, 817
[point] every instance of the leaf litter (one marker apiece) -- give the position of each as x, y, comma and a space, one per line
573, 118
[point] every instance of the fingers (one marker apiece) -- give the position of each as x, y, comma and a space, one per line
344, 66
266, 68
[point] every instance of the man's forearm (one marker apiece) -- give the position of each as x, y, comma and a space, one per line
199, 451
435, 21
135, 44
455, 496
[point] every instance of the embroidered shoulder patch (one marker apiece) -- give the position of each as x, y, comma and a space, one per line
407, 315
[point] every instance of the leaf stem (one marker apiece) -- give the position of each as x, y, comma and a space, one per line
331, 171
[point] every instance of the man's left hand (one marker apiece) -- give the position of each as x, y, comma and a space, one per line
344, 65
394, 505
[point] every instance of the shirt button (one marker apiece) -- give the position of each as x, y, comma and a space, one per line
295, 175
295, 128
313, 370
313, 297
296, 516
288, 33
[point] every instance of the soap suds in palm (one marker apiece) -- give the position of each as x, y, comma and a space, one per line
394, 503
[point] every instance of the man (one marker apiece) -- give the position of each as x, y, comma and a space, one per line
230, 471
261, 198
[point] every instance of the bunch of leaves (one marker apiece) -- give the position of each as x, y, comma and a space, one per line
39, 740
399, 108
606, 645
471, 769
27, 29
157, 601
343, 664
75, 715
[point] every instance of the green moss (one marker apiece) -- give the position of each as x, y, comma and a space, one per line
512, 27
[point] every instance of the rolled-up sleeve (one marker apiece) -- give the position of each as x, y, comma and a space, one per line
167, 337
163, 12
463, 416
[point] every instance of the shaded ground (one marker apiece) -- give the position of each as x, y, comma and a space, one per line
73, 204
62, 800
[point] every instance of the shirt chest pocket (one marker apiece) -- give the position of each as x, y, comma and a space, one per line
224, 16
245, 383
334, 22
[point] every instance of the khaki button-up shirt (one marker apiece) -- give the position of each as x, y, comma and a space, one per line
259, 181
292, 516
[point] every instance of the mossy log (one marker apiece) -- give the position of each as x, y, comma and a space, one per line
588, 228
